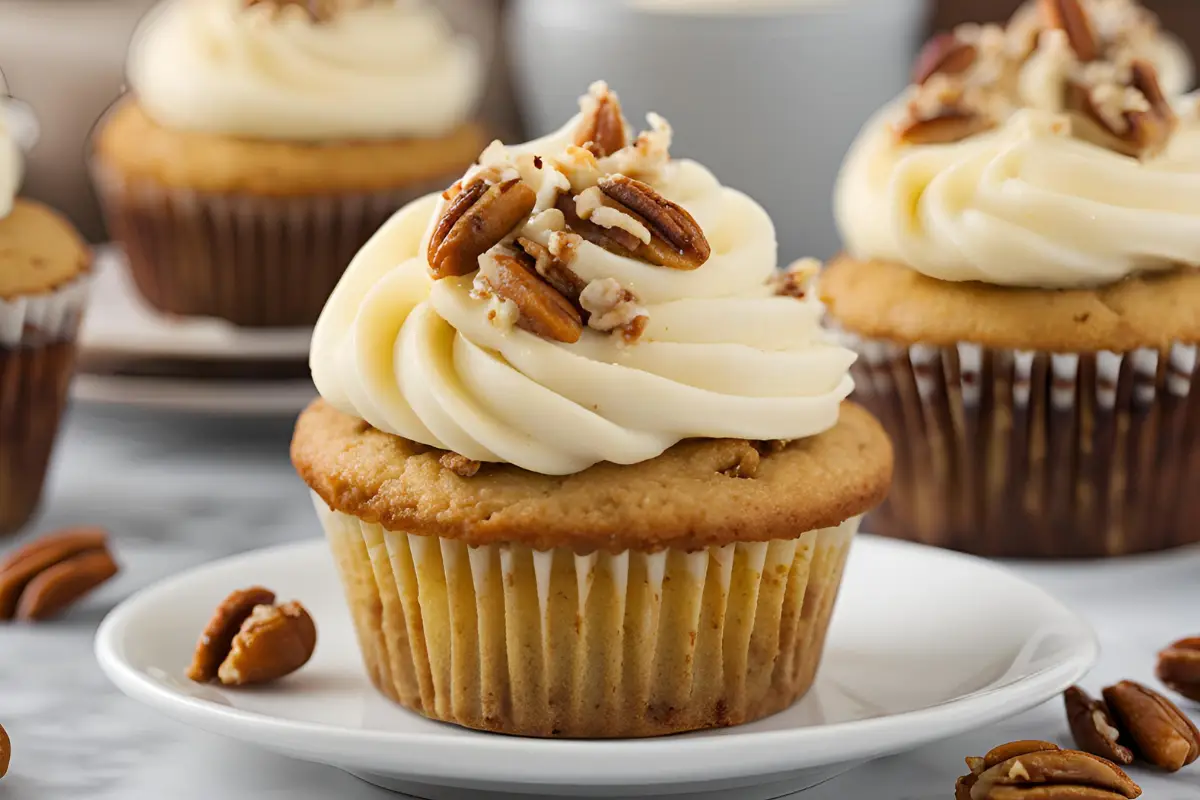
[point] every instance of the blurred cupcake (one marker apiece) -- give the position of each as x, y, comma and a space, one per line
264, 141
1022, 234
582, 472
44, 267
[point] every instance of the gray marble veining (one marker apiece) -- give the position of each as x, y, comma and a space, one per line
177, 492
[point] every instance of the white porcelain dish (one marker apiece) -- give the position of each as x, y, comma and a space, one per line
925, 645
213, 398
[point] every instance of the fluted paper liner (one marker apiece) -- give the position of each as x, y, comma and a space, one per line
37, 358
256, 261
553, 643
1021, 453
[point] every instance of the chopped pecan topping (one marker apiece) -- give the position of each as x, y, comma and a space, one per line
1070, 17
460, 465
603, 130
797, 279
543, 311
1127, 105
612, 307
951, 125
944, 54
676, 240
553, 270
478, 216
314, 10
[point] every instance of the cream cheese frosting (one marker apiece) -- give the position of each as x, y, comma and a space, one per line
1032, 203
721, 355
18, 133
372, 70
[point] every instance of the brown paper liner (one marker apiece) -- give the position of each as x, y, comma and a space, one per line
255, 261
507, 639
1036, 455
37, 359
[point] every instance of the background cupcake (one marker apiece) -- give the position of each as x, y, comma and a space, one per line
43, 287
263, 142
1021, 281
583, 472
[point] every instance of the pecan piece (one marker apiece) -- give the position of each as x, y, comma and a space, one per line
5, 751
553, 270
944, 54
478, 217
1032, 770
676, 240
614, 240
1161, 733
1070, 17
274, 641
1179, 667
951, 125
603, 130
543, 311
217, 638
460, 465
43, 578
1093, 727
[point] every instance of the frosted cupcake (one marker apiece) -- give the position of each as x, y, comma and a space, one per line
583, 473
44, 266
264, 141
1020, 277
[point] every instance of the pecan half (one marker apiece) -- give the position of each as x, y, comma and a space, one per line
1161, 733
5, 751
676, 240
951, 125
603, 130
1070, 17
1093, 727
217, 638
477, 218
1179, 667
553, 270
460, 465
944, 54
43, 578
274, 641
544, 312
1034, 770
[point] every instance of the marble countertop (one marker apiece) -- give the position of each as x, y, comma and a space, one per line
177, 492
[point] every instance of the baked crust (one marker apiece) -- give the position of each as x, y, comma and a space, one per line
128, 141
680, 500
40, 251
885, 300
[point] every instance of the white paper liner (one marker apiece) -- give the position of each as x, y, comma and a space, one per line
50, 317
555, 643
1030, 454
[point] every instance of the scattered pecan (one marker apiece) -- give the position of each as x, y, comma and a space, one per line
1161, 733
460, 465
746, 465
478, 216
274, 641
944, 54
1179, 667
951, 125
544, 312
603, 130
1031, 769
43, 578
676, 240
796, 280
316, 10
553, 270
217, 638
609, 306
5, 751
1137, 119
1070, 17
1093, 727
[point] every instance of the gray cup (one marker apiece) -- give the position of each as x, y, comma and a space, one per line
770, 100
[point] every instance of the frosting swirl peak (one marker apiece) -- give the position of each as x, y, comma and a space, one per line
633, 356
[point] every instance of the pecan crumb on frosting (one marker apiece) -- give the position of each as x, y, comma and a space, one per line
797, 280
1088, 56
319, 11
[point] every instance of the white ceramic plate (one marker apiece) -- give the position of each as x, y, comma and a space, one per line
925, 644
227, 398
120, 324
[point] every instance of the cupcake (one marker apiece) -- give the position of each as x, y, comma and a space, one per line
44, 266
1020, 280
583, 473
263, 141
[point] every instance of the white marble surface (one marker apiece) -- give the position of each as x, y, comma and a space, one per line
177, 492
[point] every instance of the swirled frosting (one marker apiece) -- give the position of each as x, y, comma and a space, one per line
721, 355
374, 70
1035, 202
10, 167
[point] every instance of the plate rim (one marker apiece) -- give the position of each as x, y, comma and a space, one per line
762, 753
